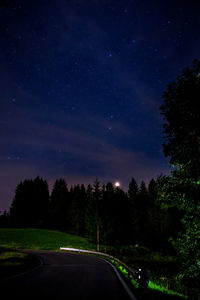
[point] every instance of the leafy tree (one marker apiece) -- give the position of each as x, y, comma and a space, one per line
182, 144
161, 225
181, 114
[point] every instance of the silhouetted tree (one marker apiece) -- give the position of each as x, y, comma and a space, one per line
4, 219
30, 204
40, 200
143, 207
122, 220
90, 224
107, 214
59, 205
133, 213
97, 197
143, 189
182, 144
133, 189
83, 200
77, 209
153, 189
20, 210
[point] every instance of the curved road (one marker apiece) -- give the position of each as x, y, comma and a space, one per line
65, 276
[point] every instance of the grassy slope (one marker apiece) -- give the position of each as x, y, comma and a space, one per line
41, 239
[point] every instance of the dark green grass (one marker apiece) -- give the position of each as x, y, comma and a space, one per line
41, 239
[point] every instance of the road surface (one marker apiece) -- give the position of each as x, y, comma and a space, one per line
65, 276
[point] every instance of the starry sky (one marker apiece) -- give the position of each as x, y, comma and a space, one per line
81, 83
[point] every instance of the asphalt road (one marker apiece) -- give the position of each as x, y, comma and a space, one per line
65, 276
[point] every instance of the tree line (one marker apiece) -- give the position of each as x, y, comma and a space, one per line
103, 213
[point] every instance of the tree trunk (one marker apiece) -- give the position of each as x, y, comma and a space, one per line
98, 247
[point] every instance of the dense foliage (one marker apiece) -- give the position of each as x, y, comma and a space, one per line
181, 111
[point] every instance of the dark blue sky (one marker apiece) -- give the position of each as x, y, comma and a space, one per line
81, 85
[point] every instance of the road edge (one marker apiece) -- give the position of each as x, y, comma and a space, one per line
128, 290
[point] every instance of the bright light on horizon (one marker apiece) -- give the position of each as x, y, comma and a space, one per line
117, 184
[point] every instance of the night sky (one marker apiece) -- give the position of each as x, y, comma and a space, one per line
81, 83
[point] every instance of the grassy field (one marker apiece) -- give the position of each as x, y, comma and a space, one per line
41, 239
